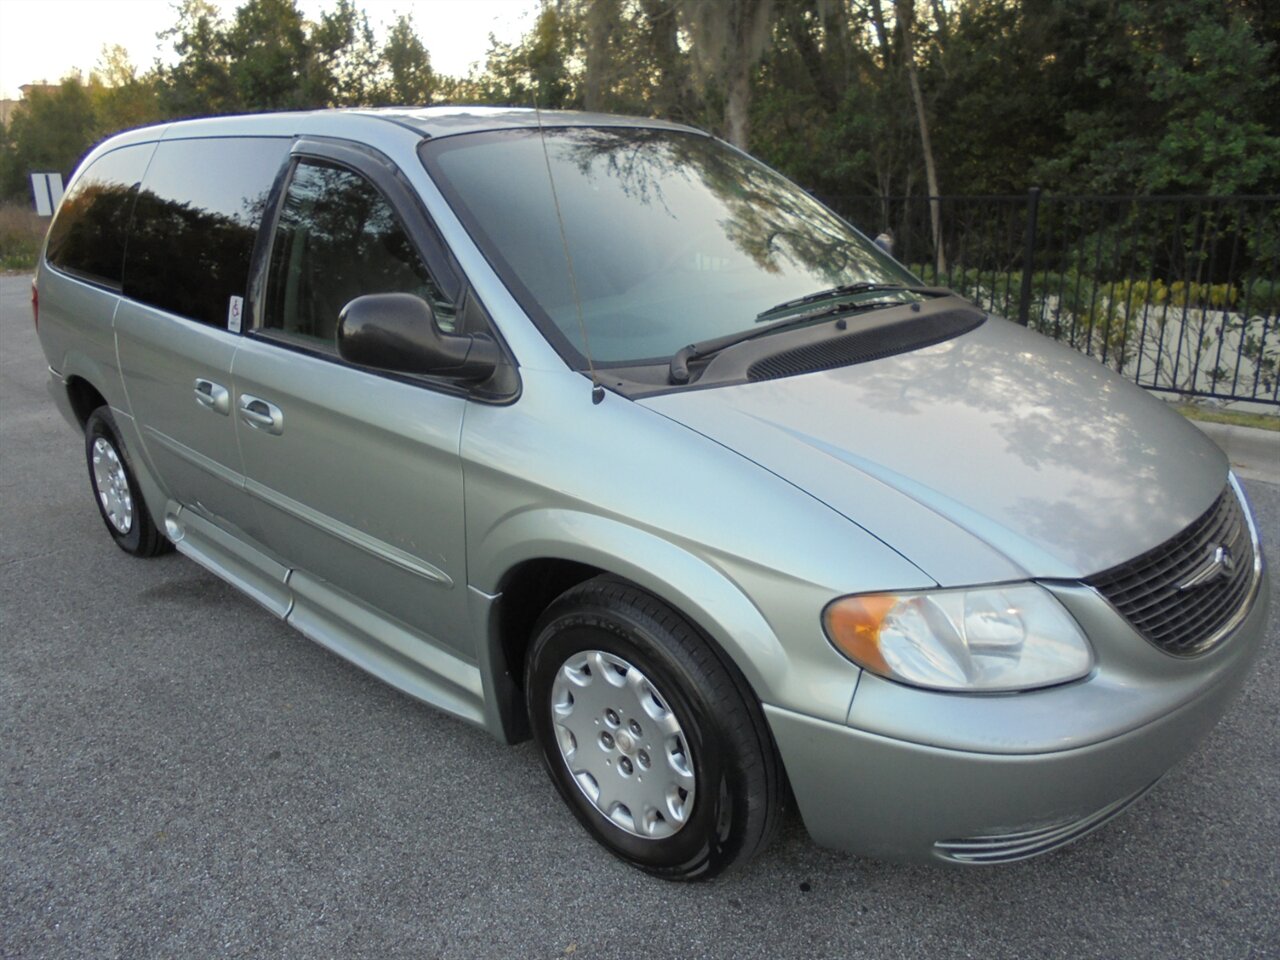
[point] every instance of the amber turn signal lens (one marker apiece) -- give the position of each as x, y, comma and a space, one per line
853, 624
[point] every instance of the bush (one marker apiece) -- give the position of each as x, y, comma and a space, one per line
1184, 335
21, 233
1262, 296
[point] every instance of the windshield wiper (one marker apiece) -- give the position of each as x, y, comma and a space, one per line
843, 290
680, 360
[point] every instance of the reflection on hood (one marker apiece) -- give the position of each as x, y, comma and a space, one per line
1033, 449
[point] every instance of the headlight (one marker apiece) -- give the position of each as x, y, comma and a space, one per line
996, 638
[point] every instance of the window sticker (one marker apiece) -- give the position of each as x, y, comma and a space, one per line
234, 310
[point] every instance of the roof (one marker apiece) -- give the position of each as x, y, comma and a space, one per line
378, 127
445, 121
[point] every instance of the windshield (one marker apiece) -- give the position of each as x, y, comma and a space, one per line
675, 238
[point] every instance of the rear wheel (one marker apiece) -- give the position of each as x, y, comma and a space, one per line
655, 744
116, 491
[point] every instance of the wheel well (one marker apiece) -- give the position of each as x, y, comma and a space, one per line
84, 398
527, 590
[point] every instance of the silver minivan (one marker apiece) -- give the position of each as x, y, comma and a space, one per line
594, 429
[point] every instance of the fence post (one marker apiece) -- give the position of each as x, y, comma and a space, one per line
1028, 255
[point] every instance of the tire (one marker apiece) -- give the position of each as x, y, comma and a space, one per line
606, 655
115, 489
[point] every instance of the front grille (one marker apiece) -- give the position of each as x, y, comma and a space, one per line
1182, 594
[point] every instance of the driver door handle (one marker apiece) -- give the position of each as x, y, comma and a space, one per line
261, 415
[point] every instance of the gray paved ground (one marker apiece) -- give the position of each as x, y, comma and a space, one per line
184, 776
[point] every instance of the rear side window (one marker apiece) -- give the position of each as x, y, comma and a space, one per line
195, 222
88, 234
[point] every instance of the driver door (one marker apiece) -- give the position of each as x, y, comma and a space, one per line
355, 474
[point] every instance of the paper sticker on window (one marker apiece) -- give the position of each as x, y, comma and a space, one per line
234, 310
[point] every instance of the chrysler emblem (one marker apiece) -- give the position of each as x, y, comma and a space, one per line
1217, 564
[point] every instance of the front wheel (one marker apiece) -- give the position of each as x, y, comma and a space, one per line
656, 745
116, 491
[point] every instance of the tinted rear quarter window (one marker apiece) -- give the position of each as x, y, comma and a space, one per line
195, 222
87, 237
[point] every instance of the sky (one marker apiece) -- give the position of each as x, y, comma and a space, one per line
46, 39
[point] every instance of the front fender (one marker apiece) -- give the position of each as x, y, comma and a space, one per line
708, 595
747, 557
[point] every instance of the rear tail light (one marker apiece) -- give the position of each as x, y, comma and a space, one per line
35, 303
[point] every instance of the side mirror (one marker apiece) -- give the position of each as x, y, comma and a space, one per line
398, 332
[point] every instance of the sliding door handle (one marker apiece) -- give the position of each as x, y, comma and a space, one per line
261, 415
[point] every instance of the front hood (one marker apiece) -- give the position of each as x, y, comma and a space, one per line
996, 455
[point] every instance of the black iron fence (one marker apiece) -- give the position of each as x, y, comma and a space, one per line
1180, 294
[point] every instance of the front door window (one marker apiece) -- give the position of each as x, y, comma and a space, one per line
338, 238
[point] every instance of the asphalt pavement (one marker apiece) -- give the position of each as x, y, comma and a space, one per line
185, 776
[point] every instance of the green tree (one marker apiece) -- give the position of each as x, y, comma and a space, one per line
267, 55
601, 19
11, 177
727, 40
51, 130
997, 95
629, 56
121, 98
343, 60
1161, 97
409, 77
1208, 81
1102, 96
663, 75
199, 83
833, 108
905, 27
533, 71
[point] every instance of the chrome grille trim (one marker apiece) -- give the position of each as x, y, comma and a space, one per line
1153, 592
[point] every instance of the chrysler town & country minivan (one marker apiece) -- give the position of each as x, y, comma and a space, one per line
594, 429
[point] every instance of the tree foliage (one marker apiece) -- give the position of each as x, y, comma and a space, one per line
200, 82
535, 71
1099, 96
410, 78
727, 40
50, 132
343, 62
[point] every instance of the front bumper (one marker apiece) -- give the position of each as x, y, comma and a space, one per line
883, 796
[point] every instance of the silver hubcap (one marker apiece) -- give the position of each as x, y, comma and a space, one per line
622, 744
112, 485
